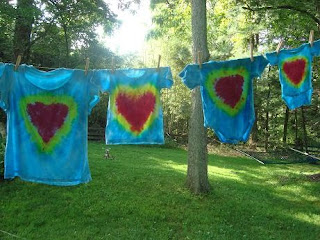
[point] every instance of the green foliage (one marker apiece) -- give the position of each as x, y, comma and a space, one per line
7, 15
99, 113
2, 150
231, 24
141, 195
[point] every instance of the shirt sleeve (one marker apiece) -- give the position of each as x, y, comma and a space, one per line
165, 78
315, 50
2, 66
6, 74
191, 76
259, 64
273, 58
102, 79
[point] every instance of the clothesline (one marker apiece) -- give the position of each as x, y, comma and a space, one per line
86, 64
199, 56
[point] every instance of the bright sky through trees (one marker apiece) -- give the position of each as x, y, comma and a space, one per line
130, 37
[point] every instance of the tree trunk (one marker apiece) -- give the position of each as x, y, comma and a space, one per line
254, 132
66, 40
285, 126
197, 174
23, 27
305, 137
296, 141
266, 143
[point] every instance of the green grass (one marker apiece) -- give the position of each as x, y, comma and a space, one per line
141, 195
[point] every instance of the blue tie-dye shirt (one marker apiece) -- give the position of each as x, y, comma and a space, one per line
134, 112
227, 97
47, 118
295, 73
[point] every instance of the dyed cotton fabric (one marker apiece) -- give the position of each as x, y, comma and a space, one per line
295, 72
134, 112
227, 97
47, 116
2, 67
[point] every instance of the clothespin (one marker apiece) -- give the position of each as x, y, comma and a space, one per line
199, 59
112, 64
17, 62
251, 50
159, 59
311, 38
279, 46
87, 66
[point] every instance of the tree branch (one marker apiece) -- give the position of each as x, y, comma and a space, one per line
286, 7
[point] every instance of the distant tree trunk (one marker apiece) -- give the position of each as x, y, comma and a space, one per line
318, 14
305, 137
23, 28
266, 143
254, 132
197, 174
67, 43
285, 126
296, 141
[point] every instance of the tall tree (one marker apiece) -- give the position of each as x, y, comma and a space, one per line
23, 28
285, 126
78, 20
197, 175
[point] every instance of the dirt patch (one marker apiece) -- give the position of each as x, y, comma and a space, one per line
314, 177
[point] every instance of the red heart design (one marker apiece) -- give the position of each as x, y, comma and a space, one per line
229, 89
136, 109
295, 70
47, 118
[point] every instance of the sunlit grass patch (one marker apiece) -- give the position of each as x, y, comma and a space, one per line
141, 195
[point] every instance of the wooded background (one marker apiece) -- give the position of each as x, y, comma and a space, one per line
62, 33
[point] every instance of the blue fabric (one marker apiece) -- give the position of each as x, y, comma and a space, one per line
2, 68
316, 48
134, 111
227, 97
47, 118
295, 73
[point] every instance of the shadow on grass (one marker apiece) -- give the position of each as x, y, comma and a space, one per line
140, 195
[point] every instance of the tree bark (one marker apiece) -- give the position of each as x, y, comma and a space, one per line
197, 174
66, 40
254, 132
23, 28
305, 137
296, 141
285, 126
266, 143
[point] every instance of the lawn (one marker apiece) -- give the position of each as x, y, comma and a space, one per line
141, 195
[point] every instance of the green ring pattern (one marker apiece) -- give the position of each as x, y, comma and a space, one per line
48, 99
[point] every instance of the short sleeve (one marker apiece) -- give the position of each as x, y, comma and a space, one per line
191, 76
315, 50
6, 75
2, 66
102, 79
273, 58
259, 64
93, 91
165, 78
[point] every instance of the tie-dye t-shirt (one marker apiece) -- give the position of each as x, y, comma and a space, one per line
2, 66
47, 122
227, 97
134, 111
295, 72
